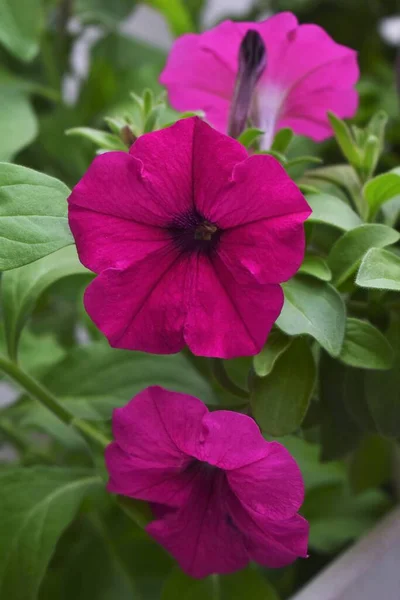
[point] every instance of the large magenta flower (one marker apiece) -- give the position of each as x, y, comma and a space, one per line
306, 75
223, 495
190, 238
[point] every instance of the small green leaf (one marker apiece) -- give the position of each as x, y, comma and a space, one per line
302, 160
103, 12
365, 346
315, 308
345, 140
20, 27
280, 400
332, 211
22, 287
18, 123
249, 136
379, 269
381, 189
372, 150
316, 267
248, 583
102, 139
33, 216
347, 253
36, 506
383, 388
377, 125
264, 362
282, 140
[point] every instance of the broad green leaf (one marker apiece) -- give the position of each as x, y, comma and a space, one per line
340, 434
103, 11
339, 178
383, 388
22, 287
102, 139
33, 216
282, 140
333, 211
276, 344
36, 506
337, 517
379, 269
176, 15
280, 400
20, 27
345, 140
365, 346
316, 267
371, 463
315, 308
381, 189
179, 585
94, 379
18, 123
249, 136
347, 253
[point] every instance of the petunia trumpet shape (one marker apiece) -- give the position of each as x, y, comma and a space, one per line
307, 74
190, 238
222, 495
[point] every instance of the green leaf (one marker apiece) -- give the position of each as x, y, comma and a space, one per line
383, 388
18, 123
282, 140
20, 27
249, 136
179, 585
347, 253
316, 267
33, 216
248, 583
371, 463
102, 139
36, 506
345, 140
379, 190
332, 211
372, 150
176, 15
94, 379
379, 269
365, 346
315, 308
103, 11
276, 344
280, 400
22, 287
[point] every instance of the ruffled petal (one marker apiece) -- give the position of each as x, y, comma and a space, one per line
142, 307
201, 535
226, 319
272, 485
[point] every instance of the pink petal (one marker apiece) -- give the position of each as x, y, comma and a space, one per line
226, 319
271, 251
230, 440
259, 189
104, 241
273, 544
142, 307
201, 535
155, 434
272, 485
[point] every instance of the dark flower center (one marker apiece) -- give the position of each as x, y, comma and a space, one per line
193, 232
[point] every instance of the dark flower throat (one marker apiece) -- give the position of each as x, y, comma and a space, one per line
193, 232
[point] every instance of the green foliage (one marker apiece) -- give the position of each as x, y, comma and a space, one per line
379, 269
365, 346
20, 27
332, 211
18, 123
33, 216
36, 506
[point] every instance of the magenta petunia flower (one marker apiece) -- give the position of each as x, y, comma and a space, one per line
306, 74
221, 494
190, 238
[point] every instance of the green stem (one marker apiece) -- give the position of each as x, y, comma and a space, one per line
46, 398
220, 374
